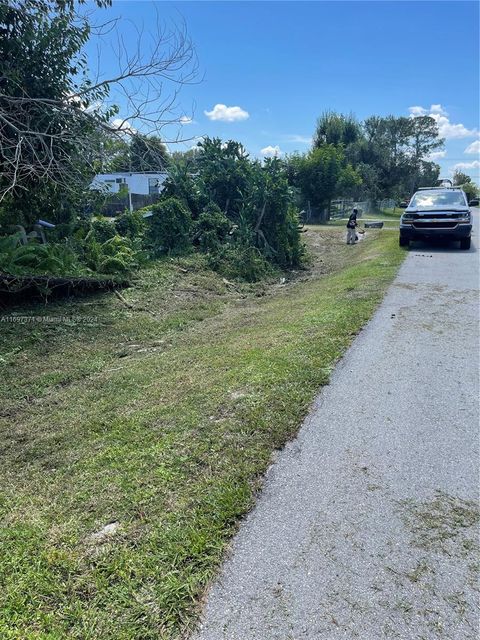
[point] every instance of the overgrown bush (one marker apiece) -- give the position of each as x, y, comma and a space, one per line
290, 250
103, 229
225, 174
273, 215
239, 212
254, 197
241, 262
115, 255
130, 224
211, 229
169, 227
71, 257
182, 183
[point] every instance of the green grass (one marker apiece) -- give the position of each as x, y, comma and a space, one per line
161, 418
388, 215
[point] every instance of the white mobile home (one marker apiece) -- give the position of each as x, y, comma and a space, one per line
133, 190
148, 183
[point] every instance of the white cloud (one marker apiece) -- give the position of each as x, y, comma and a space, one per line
436, 155
75, 99
227, 114
120, 124
270, 151
297, 138
186, 120
437, 108
475, 164
473, 148
446, 128
417, 111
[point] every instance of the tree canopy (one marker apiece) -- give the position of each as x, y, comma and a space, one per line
137, 153
464, 181
336, 128
377, 158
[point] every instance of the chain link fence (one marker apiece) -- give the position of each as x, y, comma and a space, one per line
340, 209
343, 208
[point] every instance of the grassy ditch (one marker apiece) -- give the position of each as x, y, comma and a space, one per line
135, 432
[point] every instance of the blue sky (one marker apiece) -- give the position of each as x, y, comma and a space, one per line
283, 63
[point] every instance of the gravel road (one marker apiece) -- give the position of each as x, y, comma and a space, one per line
366, 526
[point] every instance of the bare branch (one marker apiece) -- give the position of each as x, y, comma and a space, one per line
57, 139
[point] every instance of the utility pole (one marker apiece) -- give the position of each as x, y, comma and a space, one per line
130, 205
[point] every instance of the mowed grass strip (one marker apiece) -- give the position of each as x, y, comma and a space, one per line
167, 445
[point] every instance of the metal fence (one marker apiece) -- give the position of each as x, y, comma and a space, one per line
338, 209
389, 203
343, 208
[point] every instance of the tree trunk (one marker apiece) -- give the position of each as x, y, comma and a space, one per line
260, 217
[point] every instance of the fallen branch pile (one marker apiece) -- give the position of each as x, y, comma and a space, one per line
46, 286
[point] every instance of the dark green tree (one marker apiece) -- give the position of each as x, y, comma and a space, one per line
428, 174
169, 227
276, 224
225, 173
464, 181
396, 150
424, 138
385, 148
137, 153
460, 178
336, 128
148, 153
319, 173
255, 198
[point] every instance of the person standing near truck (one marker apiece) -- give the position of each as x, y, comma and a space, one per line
351, 227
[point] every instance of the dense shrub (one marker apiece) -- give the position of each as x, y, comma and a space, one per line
273, 215
91, 248
62, 231
130, 224
103, 229
71, 257
211, 229
225, 174
254, 197
241, 262
237, 211
182, 183
290, 250
39, 259
115, 255
169, 227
